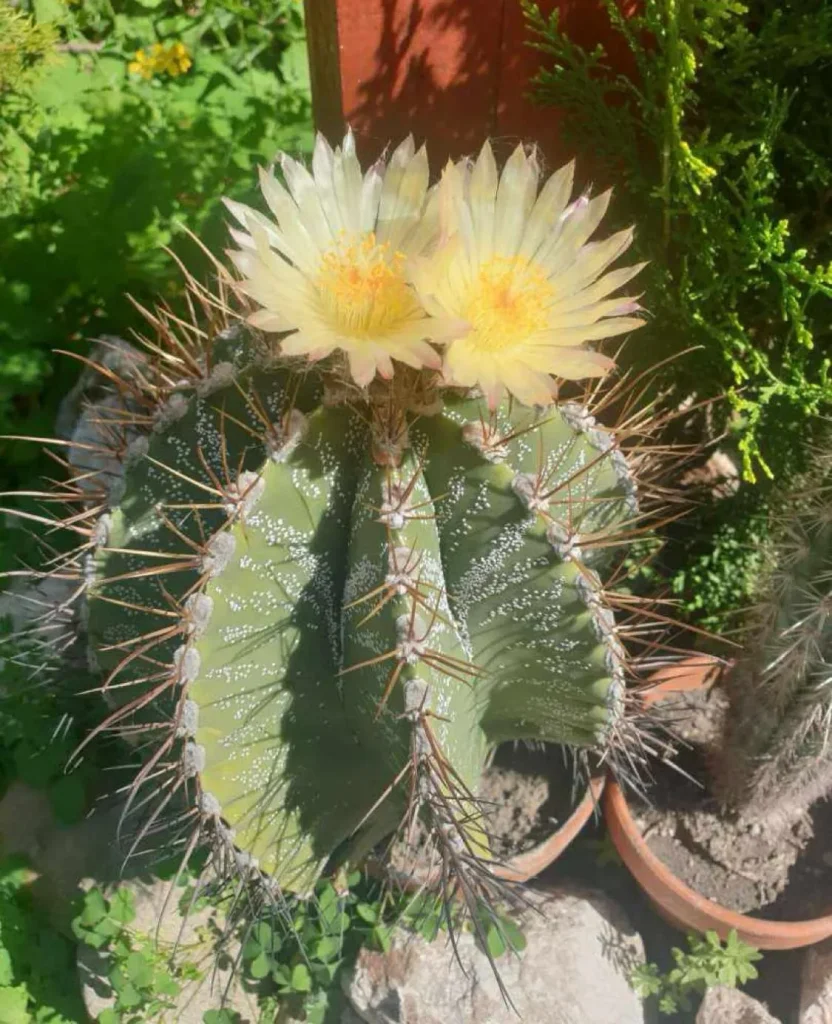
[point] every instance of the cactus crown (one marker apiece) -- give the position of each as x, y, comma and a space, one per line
776, 754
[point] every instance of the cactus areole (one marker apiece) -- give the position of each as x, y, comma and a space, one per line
322, 573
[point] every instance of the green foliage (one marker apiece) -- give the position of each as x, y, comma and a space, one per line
25, 50
144, 981
38, 979
719, 145
98, 165
39, 729
705, 963
298, 956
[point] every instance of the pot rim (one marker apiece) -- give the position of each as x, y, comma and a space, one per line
526, 865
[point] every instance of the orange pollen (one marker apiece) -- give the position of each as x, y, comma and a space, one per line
507, 304
363, 289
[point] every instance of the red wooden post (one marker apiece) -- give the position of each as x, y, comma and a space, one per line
453, 72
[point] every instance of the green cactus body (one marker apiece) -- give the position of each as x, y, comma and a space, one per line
777, 755
327, 620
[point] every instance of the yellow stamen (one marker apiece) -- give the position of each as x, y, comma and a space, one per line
363, 288
507, 304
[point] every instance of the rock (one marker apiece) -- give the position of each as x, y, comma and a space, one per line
579, 955
723, 1005
816, 985
61, 856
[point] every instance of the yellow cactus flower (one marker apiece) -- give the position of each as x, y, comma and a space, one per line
516, 269
334, 266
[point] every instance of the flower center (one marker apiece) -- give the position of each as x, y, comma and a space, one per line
507, 304
363, 289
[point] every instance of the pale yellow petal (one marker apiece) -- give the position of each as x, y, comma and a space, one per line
594, 332
527, 385
303, 206
362, 366
483, 196
515, 198
610, 282
266, 320
591, 261
577, 228
547, 210
347, 180
410, 201
593, 312
578, 363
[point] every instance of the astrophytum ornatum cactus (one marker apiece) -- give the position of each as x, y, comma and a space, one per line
330, 559
335, 609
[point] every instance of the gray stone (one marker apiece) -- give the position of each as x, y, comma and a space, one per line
575, 969
61, 857
723, 1005
816, 985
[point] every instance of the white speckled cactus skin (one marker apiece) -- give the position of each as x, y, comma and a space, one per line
326, 613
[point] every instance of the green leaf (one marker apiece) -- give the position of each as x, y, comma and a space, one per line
266, 937
368, 912
301, 979
166, 984
494, 941
129, 996
109, 1017
251, 950
95, 908
381, 936
327, 948
123, 906
13, 1005
218, 1017
513, 935
260, 966
139, 970
6, 972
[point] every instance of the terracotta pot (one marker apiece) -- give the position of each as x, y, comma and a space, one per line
682, 906
531, 862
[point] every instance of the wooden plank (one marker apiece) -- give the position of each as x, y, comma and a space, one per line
453, 72
517, 115
325, 66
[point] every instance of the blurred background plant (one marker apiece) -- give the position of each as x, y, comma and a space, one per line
120, 121
720, 149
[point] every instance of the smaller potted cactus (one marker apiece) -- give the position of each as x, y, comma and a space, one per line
770, 768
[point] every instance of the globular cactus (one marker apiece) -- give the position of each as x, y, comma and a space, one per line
776, 755
318, 588
319, 603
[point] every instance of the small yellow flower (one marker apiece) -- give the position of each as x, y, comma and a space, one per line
334, 265
176, 60
172, 60
516, 271
141, 64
